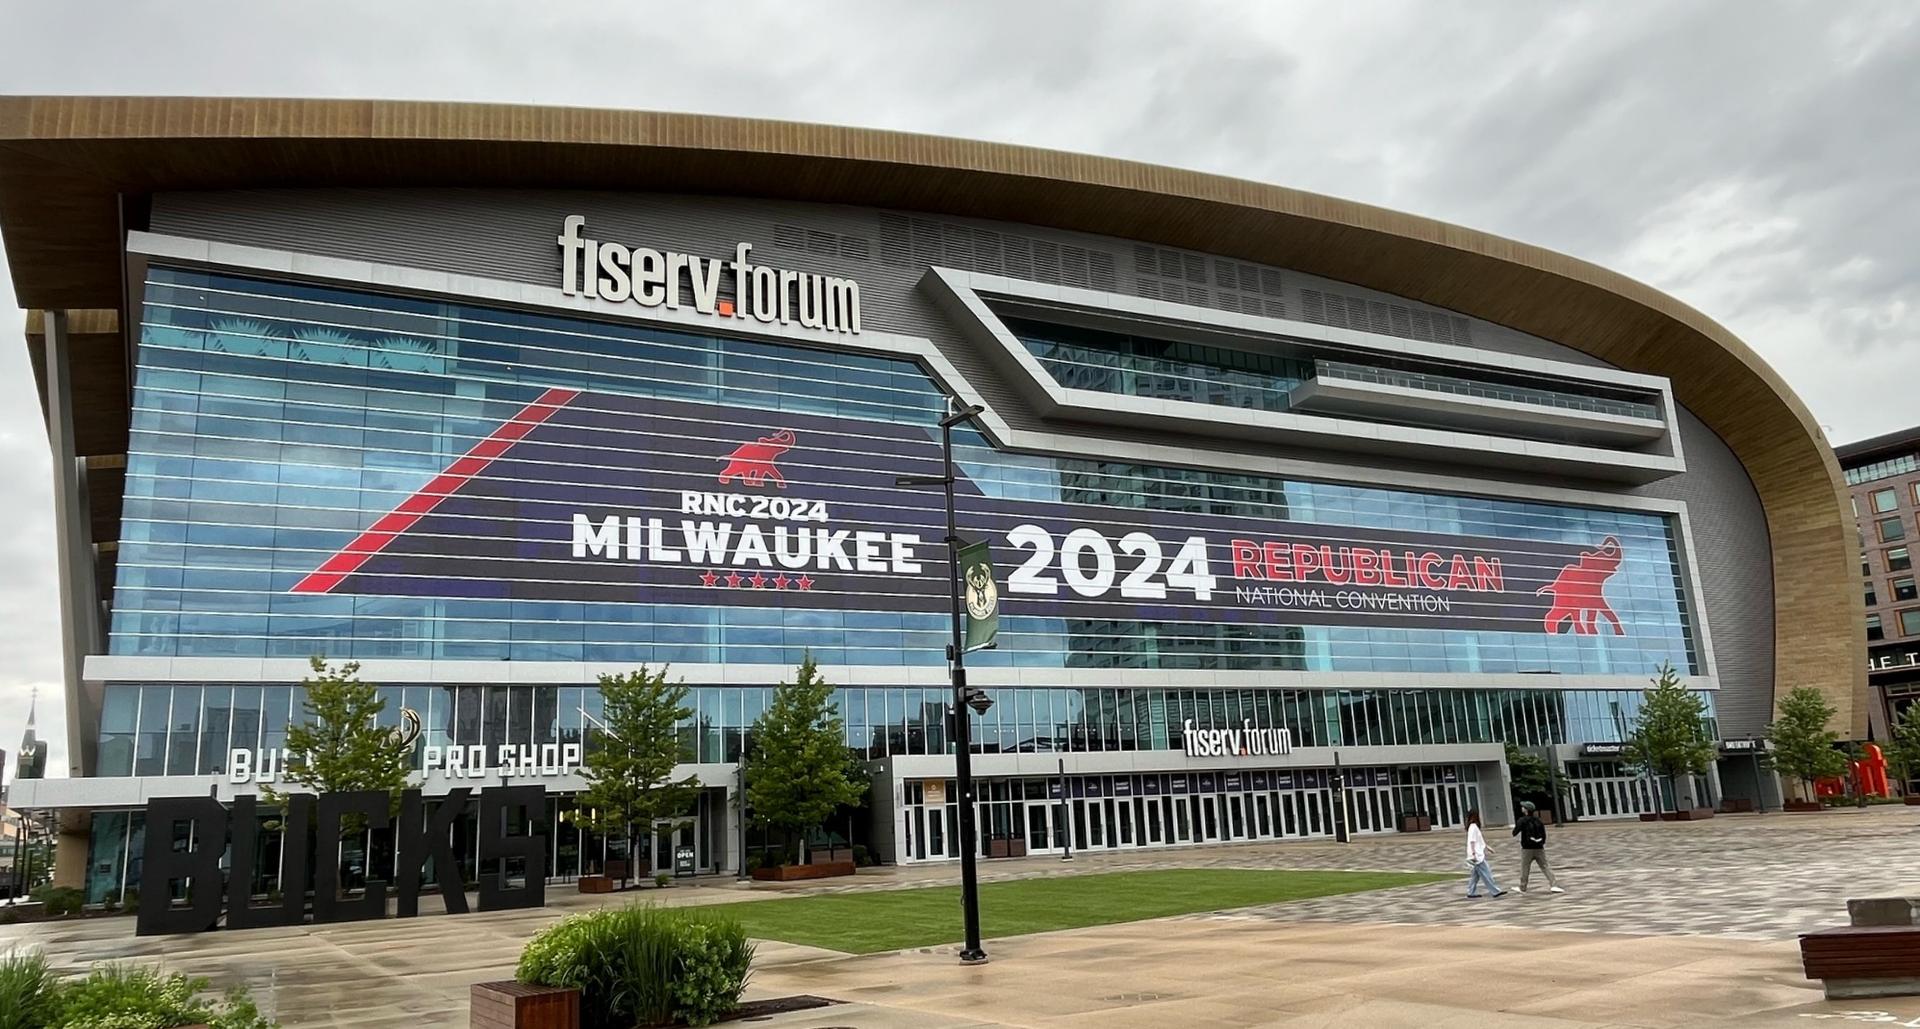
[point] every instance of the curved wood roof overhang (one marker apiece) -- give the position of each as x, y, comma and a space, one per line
65, 162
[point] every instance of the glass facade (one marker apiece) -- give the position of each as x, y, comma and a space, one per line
274, 422
1142, 366
1139, 366
1459, 386
195, 726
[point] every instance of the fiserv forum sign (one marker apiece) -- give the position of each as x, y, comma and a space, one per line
609, 498
665, 278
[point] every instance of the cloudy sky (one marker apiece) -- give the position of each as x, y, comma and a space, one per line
1760, 161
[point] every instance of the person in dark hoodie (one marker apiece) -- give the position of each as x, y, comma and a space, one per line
1533, 847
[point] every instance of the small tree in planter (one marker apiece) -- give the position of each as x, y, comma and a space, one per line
798, 774
1528, 775
1670, 735
1801, 743
629, 774
1903, 751
340, 747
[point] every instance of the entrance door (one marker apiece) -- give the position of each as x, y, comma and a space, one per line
1182, 832
1039, 833
669, 833
1236, 816
1263, 826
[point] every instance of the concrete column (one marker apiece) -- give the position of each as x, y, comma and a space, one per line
80, 629
736, 857
70, 857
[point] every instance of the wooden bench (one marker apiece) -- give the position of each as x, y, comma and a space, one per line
1877, 956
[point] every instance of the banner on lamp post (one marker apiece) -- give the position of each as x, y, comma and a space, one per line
981, 595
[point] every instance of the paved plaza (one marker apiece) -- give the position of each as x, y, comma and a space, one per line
1662, 925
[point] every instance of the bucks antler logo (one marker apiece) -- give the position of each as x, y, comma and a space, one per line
983, 599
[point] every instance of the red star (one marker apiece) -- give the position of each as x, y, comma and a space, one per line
780, 581
803, 582
759, 581
734, 580
709, 578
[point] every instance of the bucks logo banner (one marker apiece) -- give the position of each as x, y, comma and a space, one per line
980, 594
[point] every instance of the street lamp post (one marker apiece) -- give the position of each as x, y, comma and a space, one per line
1066, 823
962, 696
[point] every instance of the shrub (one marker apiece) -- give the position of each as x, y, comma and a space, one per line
125, 997
60, 900
863, 857
662, 879
26, 991
643, 965
713, 957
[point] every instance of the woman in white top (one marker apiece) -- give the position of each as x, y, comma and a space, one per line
1477, 859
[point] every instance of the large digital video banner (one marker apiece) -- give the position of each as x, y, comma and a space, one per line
608, 498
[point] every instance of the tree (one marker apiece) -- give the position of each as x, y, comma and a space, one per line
1528, 777
630, 774
1802, 745
798, 773
1903, 751
1670, 735
340, 746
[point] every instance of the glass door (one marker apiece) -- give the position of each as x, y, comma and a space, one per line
1039, 831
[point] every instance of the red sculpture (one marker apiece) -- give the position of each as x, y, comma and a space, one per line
1579, 591
752, 463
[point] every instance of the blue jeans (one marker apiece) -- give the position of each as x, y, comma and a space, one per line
1481, 871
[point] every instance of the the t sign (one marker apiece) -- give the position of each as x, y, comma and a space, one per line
184, 890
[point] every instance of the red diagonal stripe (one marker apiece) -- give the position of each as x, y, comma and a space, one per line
390, 525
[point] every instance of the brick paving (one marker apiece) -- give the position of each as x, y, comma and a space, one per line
1739, 877
1664, 925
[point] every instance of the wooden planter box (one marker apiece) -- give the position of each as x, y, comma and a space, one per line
789, 873
1545, 817
512, 1005
596, 884
1803, 805
1735, 805
1006, 848
1911, 798
1686, 814
1416, 823
1649, 816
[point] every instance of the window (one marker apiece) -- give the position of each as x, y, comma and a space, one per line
1916, 492
1892, 529
1865, 568
1873, 598
1885, 500
1897, 560
1874, 631
1903, 589
1910, 622
1881, 469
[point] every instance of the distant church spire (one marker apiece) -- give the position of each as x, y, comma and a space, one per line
32, 706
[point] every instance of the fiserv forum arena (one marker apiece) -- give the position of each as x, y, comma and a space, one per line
494, 399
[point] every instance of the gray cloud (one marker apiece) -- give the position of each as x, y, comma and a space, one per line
1757, 161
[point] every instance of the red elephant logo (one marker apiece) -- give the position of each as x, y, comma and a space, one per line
752, 463
1579, 591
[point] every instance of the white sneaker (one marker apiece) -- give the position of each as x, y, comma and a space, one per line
1555, 889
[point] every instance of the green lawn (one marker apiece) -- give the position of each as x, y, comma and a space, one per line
863, 923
